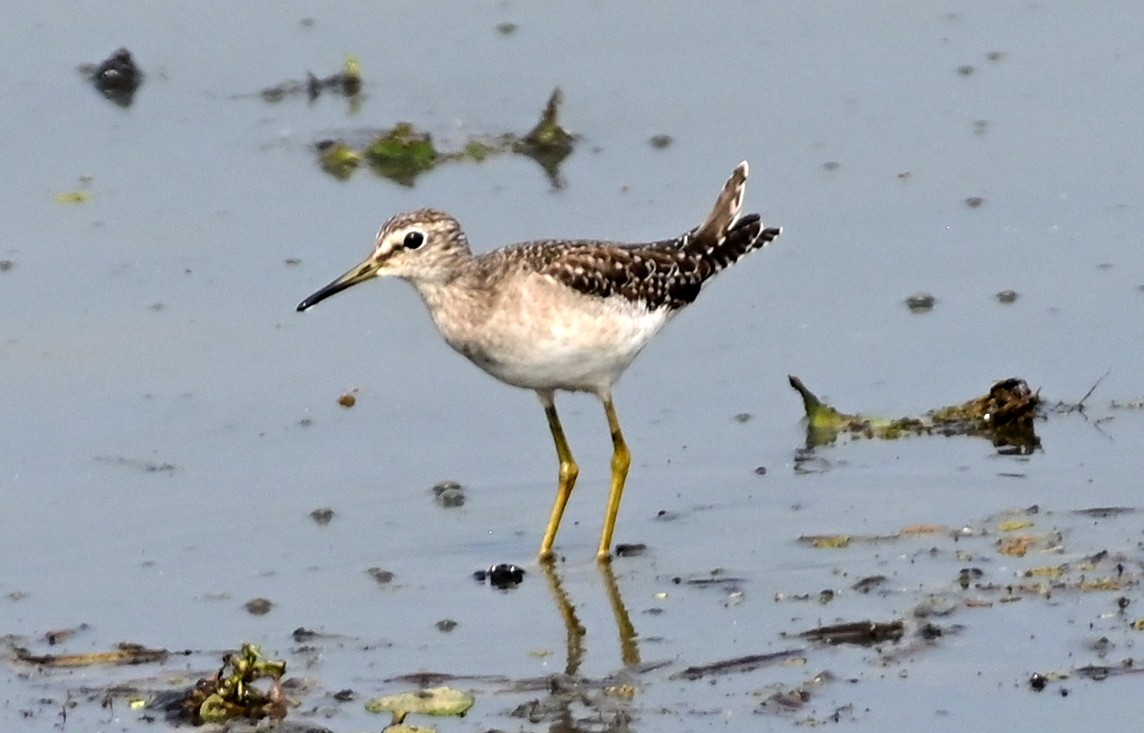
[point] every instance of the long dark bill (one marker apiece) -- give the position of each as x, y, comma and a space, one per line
362, 272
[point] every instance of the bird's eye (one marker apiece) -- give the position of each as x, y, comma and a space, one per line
414, 239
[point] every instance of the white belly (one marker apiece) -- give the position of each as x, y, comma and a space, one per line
544, 335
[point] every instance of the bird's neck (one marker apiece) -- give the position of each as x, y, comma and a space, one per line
455, 303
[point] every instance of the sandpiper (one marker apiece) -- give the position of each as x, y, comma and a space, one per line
558, 314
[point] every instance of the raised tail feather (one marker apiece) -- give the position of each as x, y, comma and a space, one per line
726, 236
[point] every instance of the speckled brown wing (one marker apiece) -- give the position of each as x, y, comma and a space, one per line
655, 275
666, 274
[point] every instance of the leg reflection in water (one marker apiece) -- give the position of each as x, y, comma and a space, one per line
629, 646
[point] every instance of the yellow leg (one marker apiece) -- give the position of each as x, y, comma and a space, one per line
568, 473
621, 460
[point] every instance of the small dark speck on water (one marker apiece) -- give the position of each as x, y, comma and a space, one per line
302, 634
449, 494
506, 29
292, 261
630, 549
258, 606
995, 55
446, 625
974, 202
322, 516
659, 142
502, 575
760, 470
965, 70
1007, 296
382, 577
743, 417
831, 165
6, 265
920, 302
1105, 266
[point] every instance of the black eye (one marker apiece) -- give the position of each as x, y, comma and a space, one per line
414, 239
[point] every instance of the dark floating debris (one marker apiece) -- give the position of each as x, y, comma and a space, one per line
1100, 672
786, 700
380, 576
1104, 512
258, 606
857, 632
446, 625
503, 575
661, 142
920, 302
449, 494
347, 82
116, 77
302, 634
869, 583
347, 399
747, 663
59, 636
968, 576
322, 516
1006, 415
1007, 296
715, 580
636, 549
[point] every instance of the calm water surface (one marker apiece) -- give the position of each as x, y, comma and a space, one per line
170, 421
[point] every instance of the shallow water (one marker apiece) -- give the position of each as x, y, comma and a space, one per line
172, 421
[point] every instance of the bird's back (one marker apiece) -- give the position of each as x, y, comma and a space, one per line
573, 314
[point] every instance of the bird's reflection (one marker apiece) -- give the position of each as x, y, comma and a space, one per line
604, 705
574, 629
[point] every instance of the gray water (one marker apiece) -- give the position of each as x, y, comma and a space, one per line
170, 421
